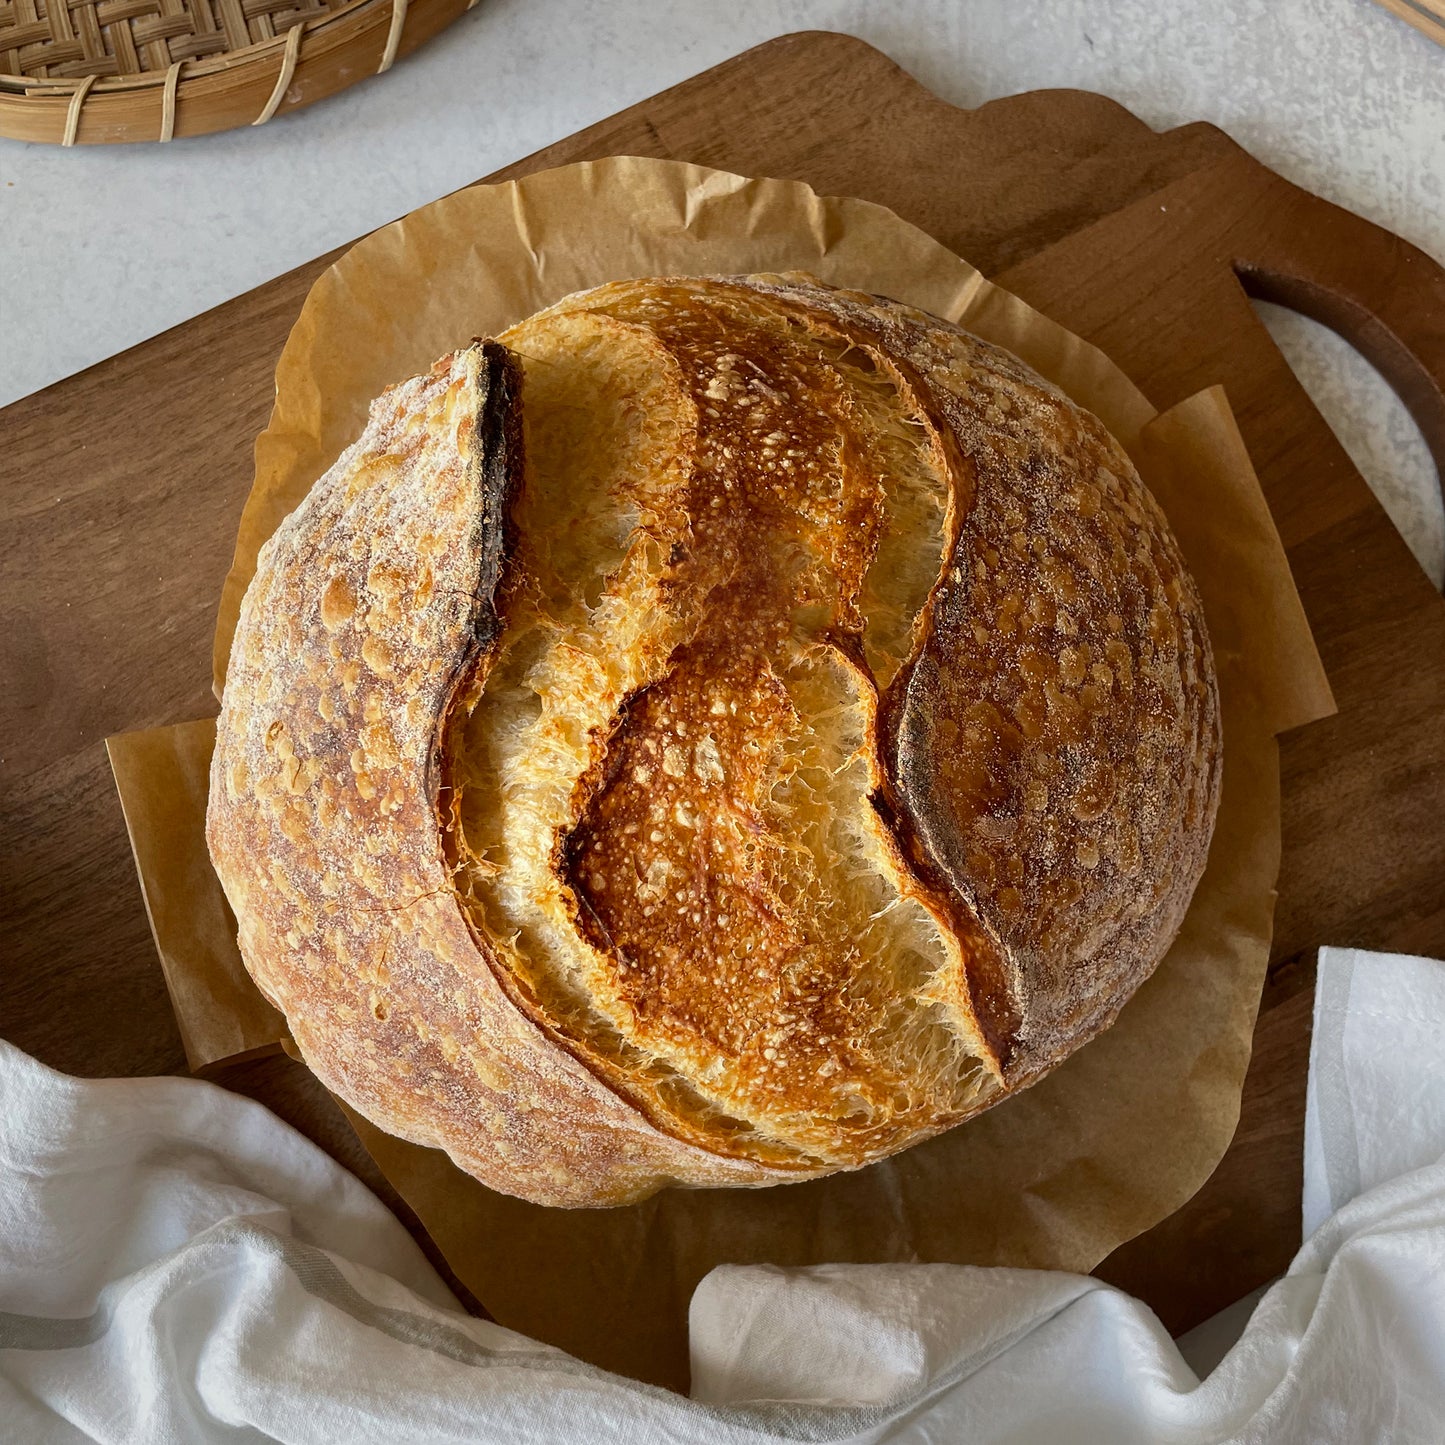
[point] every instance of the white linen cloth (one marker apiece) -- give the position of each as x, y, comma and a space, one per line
178, 1265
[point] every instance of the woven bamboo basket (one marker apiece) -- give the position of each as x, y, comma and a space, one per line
93, 72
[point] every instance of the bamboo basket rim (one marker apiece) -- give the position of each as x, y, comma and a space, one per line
193, 69
371, 34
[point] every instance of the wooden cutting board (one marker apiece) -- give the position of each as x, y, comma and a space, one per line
120, 490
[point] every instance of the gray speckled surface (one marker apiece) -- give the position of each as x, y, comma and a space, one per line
102, 247
1372, 425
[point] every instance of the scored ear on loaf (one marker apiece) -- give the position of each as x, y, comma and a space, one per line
724, 731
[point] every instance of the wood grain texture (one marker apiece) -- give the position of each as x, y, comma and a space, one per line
1427, 16
120, 490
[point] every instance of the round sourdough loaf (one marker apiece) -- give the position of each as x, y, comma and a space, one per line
722, 732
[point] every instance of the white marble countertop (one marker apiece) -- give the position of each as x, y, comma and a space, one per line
101, 247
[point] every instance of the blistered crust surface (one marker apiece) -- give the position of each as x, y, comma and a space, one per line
1056, 747
370, 606
823, 744
703, 865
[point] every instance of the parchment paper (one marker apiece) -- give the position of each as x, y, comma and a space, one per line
1111, 1142
162, 776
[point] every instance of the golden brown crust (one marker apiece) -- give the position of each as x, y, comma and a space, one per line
369, 607
1056, 746
704, 899
822, 744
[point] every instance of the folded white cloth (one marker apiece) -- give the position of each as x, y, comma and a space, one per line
178, 1265
1376, 1106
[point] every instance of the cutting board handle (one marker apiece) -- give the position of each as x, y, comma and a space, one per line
1383, 295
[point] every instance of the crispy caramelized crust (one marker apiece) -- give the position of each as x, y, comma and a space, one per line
1055, 749
820, 743
372, 605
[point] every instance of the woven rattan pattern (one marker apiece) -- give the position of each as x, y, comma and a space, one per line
70, 39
